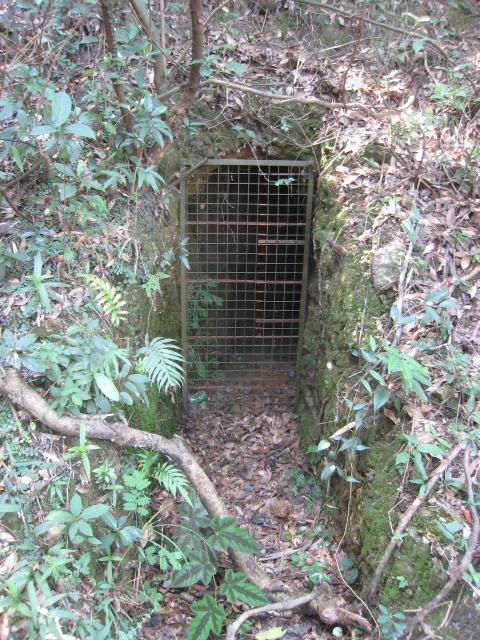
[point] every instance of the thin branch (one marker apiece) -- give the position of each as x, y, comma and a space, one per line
112, 50
284, 605
284, 99
14, 207
407, 517
216, 10
462, 566
157, 39
277, 97
388, 27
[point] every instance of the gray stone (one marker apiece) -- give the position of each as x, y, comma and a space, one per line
387, 264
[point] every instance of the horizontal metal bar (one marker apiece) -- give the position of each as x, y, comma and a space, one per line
228, 162
275, 337
236, 223
280, 242
239, 281
276, 321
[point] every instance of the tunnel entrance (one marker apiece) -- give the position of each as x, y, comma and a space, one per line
243, 298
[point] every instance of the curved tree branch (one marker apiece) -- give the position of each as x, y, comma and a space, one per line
330, 610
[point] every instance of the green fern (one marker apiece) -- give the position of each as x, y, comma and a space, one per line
162, 361
173, 480
108, 299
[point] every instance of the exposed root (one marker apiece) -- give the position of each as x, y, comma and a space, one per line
330, 610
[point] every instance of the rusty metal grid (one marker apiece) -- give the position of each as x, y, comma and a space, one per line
243, 298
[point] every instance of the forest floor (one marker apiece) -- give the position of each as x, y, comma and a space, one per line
251, 452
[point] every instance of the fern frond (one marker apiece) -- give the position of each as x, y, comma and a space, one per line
162, 361
173, 480
108, 299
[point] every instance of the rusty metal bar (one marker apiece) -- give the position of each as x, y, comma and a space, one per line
243, 301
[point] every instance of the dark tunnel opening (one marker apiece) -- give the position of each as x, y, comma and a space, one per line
248, 228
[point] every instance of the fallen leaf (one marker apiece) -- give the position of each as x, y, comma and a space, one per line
271, 634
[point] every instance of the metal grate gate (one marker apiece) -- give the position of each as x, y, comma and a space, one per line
243, 298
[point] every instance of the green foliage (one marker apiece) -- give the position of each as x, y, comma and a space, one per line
76, 520
236, 587
201, 298
162, 361
42, 283
228, 536
135, 498
173, 480
209, 617
316, 571
108, 299
391, 624
199, 568
81, 450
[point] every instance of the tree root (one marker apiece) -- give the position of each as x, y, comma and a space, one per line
329, 609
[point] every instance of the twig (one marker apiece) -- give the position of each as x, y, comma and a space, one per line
216, 10
13, 206
463, 564
287, 553
284, 605
184, 175
407, 517
376, 23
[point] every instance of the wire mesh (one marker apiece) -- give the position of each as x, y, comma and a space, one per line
248, 224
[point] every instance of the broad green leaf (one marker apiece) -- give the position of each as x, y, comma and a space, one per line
61, 108
402, 457
323, 444
76, 505
199, 568
17, 157
417, 45
271, 634
367, 385
209, 617
328, 471
236, 586
66, 190
236, 67
54, 517
381, 396
432, 450
42, 130
107, 387
9, 508
81, 130
95, 511
227, 535
377, 376
85, 528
